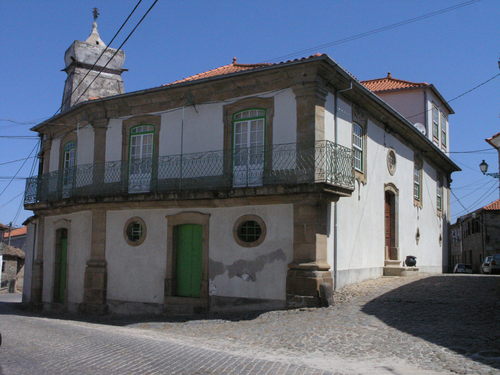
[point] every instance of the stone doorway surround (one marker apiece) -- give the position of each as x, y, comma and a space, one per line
186, 305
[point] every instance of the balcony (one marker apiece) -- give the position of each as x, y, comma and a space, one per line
282, 164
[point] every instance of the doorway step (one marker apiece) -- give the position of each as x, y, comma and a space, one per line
394, 268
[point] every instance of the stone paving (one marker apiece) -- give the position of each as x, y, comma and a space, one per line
34, 345
424, 324
407, 326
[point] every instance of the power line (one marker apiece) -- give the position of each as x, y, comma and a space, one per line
27, 137
459, 96
377, 30
11, 199
15, 161
118, 49
471, 151
22, 165
458, 200
480, 199
102, 53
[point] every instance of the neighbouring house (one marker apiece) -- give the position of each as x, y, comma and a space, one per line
16, 237
249, 186
12, 272
476, 235
3, 229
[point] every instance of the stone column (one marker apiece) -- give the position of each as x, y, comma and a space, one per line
310, 100
95, 284
45, 152
37, 267
100, 127
309, 281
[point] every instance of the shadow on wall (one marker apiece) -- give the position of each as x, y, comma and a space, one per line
459, 313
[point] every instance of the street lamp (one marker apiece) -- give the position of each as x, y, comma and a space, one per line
483, 167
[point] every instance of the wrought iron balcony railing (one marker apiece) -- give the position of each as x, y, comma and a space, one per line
286, 164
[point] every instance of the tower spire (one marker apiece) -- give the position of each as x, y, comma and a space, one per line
94, 37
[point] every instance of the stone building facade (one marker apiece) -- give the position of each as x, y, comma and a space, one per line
476, 235
12, 271
250, 186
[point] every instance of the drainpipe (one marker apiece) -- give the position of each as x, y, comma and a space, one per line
335, 214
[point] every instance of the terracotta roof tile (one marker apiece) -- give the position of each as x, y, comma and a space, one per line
389, 84
492, 140
16, 232
234, 67
495, 205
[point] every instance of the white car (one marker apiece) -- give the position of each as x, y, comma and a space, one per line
491, 264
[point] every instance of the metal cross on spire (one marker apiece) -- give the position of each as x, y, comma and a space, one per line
95, 13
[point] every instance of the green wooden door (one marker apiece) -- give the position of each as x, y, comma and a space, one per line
188, 239
61, 270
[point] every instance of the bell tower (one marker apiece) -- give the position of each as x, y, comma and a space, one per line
79, 60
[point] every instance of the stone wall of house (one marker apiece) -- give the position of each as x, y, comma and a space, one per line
492, 238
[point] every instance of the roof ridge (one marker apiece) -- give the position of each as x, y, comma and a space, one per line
389, 77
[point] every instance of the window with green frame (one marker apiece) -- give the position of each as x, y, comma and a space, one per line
439, 193
141, 142
358, 146
435, 122
444, 123
417, 181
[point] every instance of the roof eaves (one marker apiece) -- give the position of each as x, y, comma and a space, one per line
181, 84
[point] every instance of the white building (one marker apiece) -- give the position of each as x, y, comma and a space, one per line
249, 186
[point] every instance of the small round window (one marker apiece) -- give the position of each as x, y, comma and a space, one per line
135, 231
249, 231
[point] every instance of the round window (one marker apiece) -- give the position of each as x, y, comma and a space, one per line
249, 231
135, 231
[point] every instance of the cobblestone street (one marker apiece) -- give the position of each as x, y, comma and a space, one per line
442, 324
419, 325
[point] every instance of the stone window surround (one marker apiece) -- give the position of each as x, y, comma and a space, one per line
128, 124
419, 164
243, 219
390, 187
229, 110
360, 117
187, 217
69, 137
144, 231
58, 226
391, 167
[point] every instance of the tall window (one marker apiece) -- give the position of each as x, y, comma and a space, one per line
248, 147
358, 146
69, 161
443, 129
435, 122
140, 158
439, 193
417, 180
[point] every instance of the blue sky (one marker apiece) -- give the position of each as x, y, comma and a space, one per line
455, 51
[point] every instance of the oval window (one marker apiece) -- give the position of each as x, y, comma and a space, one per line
135, 231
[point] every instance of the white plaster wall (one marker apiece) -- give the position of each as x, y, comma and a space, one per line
285, 117
330, 117
408, 103
361, 217
114, 140
79, 243
203, 125
28, 262
344, 123
270, 282
136, 274
85, 145
54, 154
